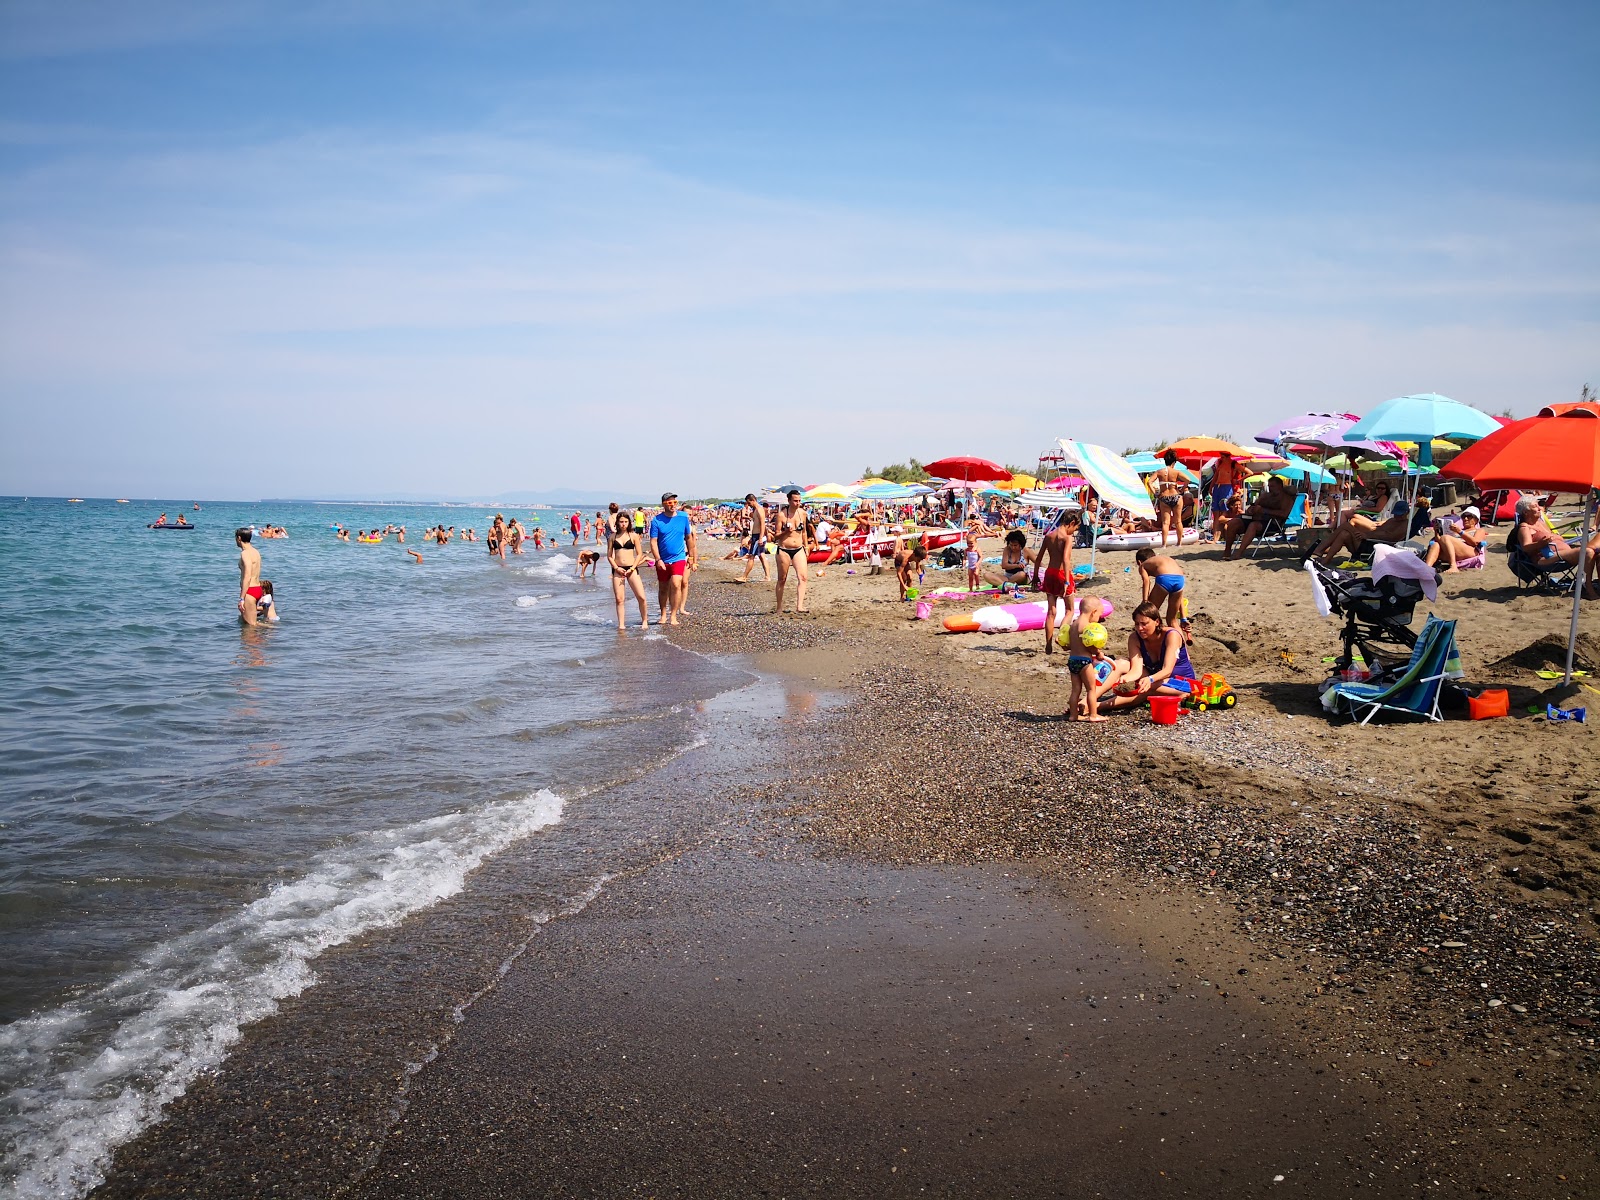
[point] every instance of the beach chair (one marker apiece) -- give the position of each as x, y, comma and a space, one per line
1555, 576
1414, 692
1284, 530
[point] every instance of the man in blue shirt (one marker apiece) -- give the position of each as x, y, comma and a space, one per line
672, 543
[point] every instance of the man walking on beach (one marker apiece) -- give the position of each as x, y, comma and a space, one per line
672, 543
1053, 572
249, 575
755, 546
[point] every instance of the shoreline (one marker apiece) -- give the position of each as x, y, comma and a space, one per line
1435, 1076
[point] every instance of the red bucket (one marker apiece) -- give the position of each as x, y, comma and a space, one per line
1164, 709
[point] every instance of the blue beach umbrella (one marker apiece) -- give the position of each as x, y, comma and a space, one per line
1300, 468
1422, 418
889, 491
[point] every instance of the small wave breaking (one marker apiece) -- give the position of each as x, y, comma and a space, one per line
84, 1078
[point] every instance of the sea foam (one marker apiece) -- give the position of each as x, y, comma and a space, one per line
74, 1095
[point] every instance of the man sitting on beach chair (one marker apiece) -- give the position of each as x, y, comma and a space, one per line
1274, 503
1540, 551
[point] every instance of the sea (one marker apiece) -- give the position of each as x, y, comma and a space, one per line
192, 811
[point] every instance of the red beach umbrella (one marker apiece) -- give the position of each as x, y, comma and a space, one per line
1561, 453
968, 470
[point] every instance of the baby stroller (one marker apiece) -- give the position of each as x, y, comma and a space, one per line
1377, 615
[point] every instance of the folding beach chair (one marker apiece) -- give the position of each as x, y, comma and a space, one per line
1283, 530
1555, 576
1415, 690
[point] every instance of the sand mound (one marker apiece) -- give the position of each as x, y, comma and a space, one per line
1549, 653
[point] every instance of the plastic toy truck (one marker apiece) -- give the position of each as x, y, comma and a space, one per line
1211, 691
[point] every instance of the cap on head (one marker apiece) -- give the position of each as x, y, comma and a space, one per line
1471, 510
665, 496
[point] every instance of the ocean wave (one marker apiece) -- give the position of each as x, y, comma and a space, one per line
557, 566
76, 1090
591, 616
530, 601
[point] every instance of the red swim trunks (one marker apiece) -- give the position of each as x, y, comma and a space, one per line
665, 571
1056, 582
255, 593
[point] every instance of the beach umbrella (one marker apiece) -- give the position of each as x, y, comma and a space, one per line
1062, 482
962, 469
1422, 418
1112, 478
1255, 480
1300, 468
1561, 453
888, 491
823, 492
1201, 448
783, 489
1043, 498
1024, 482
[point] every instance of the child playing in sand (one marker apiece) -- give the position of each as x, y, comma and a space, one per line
1161, 579
907, 564
1083, 659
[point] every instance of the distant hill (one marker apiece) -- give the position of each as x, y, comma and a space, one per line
558, 497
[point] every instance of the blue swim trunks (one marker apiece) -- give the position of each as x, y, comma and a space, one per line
1171, 584
1219, 496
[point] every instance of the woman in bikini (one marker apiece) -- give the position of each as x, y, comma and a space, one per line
791, 527
1169, 485
624, 554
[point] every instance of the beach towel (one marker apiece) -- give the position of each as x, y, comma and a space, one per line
1404, 564
1319, 594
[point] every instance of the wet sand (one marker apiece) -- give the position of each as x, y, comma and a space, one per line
959, 946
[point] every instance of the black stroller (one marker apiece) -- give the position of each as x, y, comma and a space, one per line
1377, 615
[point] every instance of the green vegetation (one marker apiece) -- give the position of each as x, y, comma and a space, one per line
899, 473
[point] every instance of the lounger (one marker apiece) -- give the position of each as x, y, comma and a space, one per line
1414, 692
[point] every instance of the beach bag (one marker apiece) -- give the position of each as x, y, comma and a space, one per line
1491, 702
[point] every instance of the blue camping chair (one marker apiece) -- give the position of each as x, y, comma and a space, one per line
1282, 531
1415, 690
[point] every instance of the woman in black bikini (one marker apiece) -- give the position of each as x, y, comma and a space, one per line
791, 526
624, 554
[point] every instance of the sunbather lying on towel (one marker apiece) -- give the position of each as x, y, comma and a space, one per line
1546, 548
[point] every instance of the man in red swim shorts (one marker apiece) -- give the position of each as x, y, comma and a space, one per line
249, 575
1054, 568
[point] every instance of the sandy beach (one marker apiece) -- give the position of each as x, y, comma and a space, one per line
933, 939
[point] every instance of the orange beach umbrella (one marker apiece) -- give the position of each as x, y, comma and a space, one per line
1559, 452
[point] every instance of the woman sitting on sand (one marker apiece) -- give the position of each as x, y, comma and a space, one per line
1546, 548
1158, 662
1359, 527
1457, 542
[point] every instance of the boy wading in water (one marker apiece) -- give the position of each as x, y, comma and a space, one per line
1161, 581
1089, 677
1054, 570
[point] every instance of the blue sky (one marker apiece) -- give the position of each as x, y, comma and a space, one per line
253, 248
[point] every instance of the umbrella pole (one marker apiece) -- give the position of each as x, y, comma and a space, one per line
1583, 572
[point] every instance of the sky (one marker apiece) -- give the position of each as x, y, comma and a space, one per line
271, 247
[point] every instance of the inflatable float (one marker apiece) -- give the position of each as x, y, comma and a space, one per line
169, 526
1004, 618
1139, 541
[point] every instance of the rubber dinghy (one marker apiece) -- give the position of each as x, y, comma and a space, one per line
1005, 618
1139, 541
169, 526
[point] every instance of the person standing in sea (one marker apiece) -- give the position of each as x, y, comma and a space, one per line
577, 527
249, 575
673, 544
